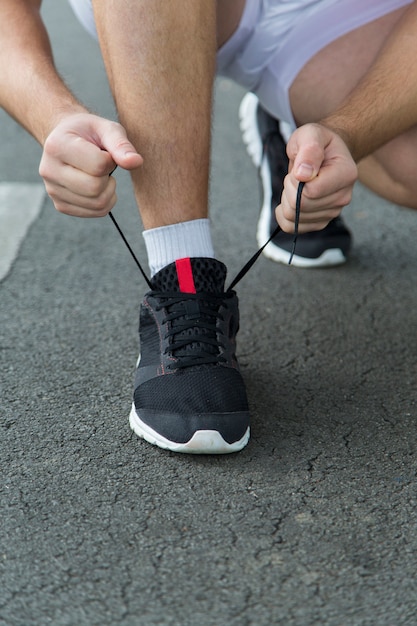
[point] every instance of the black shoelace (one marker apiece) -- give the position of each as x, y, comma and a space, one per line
192, 328
193, 333
245, 269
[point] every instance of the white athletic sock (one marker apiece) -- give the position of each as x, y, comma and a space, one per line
166, 244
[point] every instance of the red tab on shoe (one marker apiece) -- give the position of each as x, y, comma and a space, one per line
185, 275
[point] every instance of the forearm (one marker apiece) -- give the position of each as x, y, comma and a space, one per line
31, 90
383, 105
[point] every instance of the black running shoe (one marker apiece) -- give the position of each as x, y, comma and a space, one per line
267, 148
189, 394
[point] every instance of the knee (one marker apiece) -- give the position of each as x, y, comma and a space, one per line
391, 175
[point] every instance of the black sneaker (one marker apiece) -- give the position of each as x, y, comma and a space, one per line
267, 148
189, 394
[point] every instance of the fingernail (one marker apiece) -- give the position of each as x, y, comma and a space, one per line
305, 171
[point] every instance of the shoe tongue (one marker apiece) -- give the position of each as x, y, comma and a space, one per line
191, 275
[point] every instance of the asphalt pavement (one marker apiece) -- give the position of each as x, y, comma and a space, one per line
314, 523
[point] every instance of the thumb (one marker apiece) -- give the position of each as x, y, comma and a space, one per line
114, 140
306, 151
125, 155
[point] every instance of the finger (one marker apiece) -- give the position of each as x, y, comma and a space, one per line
314, 150
306, 151
76, 152
71, 203
318, 217
315, 214
114, 140
318, 195
80, 182
74, 210
307, 222
313, 203
288, 226
77, 211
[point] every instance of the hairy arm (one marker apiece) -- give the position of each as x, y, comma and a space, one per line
324, 155
80, 149
383, 104
31, 90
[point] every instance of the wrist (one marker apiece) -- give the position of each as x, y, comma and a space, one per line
58, 114
348, 138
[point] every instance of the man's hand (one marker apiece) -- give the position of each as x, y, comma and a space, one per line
78, 158
320, 158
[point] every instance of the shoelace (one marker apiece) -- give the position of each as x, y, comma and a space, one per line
192, 329
245, 269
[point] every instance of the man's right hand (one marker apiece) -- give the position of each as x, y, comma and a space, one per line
78, 158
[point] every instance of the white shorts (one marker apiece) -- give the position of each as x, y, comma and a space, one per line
276, 38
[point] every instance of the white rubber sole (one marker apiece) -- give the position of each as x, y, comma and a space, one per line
253, 143
202, 442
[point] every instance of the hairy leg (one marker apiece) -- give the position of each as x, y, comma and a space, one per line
327, 79
160, 59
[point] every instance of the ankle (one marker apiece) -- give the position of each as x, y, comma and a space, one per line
167, 244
